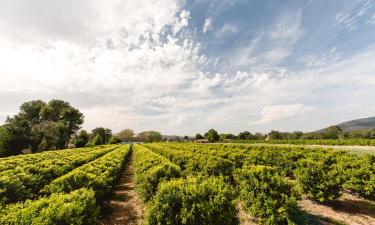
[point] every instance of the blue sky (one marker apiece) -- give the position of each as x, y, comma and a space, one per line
183, 67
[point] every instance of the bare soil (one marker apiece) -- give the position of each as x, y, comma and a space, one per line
125, 207
349, 209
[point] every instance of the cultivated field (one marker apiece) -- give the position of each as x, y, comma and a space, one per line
186, 183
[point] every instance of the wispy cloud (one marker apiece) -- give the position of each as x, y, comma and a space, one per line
208, 25
226, 30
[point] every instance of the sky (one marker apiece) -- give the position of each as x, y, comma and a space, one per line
183, 67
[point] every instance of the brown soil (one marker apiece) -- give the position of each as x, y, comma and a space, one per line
349, 209
126, 207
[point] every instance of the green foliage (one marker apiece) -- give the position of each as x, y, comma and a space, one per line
43, 126
193, 201
78, 207
150, 170
5, 138
98, 140
266, 195
114, 140
198, 137
22, 177
212, 135
149, 136
359, 173
319, 177
99, 174
81, 139
100, 135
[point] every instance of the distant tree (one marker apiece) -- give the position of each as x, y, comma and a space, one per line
149, 136
114, 140
224, 137
259, 136
5, 138
198, 137
212, 135
333, 132
186, 137
126, 135
246, 135
274, 135
104, 133
81, 139
98, 140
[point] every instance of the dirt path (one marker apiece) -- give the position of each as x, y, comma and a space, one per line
348, 209
126, 207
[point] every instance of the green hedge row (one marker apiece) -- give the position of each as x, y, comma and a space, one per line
194, 163
99, 175
22, 177
150, 170
75, 208
193, 201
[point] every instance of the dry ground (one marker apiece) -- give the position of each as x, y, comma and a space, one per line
126, 207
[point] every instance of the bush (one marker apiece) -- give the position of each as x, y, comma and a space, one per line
193, 201
150, 170
266, 195
319, 178
359, 175
77, 207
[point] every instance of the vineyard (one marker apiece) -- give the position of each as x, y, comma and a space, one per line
183, 183
358, 142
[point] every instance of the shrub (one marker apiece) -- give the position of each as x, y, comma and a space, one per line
266, 195
359, 174
319, 178
77, 207
150, 170
193, 201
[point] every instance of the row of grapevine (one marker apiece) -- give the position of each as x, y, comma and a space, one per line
77, 207
361, 142
73, 197
260, 174
172, 200
99, 175
31, 174
332, 170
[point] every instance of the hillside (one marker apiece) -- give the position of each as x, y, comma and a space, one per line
359, 124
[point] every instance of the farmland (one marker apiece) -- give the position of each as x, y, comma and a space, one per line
187, 183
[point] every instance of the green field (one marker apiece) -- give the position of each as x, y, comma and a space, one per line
182, 183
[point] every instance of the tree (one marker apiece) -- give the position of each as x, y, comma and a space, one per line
41, 125
212, 135
333, 132
81, 139
246, 135
114, 140
4, 142
224, 137
98, 140
104, 133
198, 137
149, 136
126, 135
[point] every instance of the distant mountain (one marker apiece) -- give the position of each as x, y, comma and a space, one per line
359, 124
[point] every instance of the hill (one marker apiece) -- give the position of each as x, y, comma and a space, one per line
358, 124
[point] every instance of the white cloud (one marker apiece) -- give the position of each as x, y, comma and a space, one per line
208, 25
279, 112
135, 64
226, 30
350, 20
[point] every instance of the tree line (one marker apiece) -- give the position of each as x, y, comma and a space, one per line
53, 125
